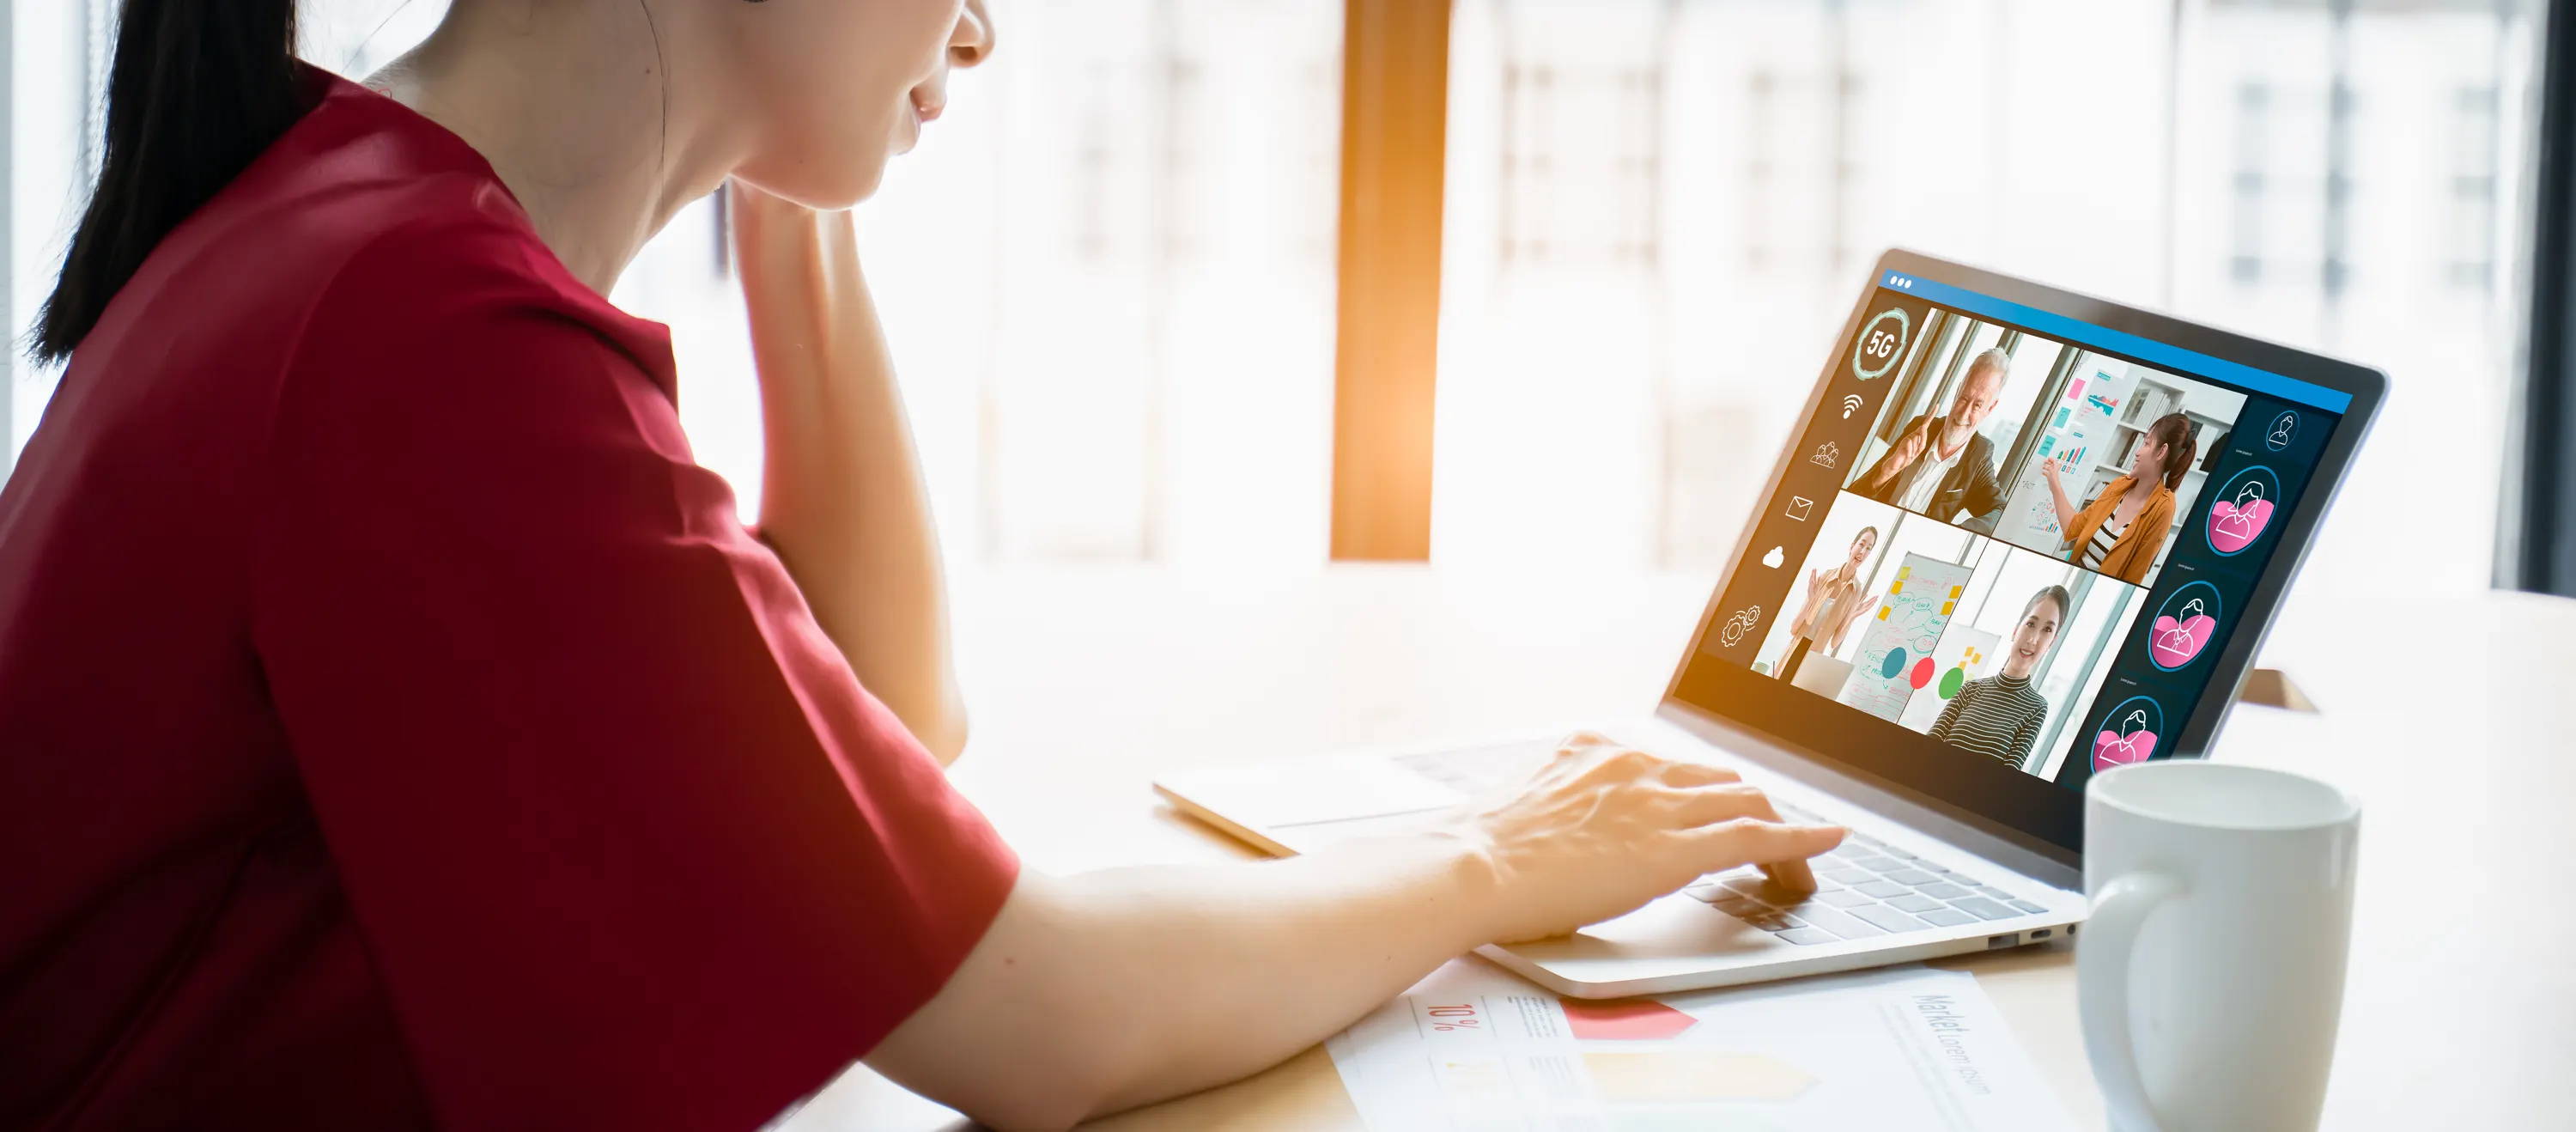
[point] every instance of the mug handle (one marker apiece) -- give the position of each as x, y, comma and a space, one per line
2102, 992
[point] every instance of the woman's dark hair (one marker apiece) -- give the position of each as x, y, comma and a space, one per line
2173, 431
198, 88
2058, 594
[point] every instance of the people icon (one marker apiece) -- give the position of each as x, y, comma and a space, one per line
2284, 427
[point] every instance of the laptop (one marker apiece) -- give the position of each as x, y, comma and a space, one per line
1952, 607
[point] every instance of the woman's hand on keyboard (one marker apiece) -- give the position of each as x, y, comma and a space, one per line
1603, 828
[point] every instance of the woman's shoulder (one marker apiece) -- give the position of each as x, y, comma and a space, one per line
365, 203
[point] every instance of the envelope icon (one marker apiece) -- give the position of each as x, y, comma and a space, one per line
1799, 505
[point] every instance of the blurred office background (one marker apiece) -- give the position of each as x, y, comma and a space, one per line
1115, 274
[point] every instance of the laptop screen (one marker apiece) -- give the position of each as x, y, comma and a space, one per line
2022, 536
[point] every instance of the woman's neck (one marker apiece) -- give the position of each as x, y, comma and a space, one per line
2023, 672
570, 106
2142, 486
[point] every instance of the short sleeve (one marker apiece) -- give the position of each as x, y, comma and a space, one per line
628, 843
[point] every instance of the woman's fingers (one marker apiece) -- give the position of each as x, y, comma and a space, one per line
1723, 802
1748, 841
1582, 743
1697, 774
1743, 807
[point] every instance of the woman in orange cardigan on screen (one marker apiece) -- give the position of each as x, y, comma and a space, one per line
2120, 531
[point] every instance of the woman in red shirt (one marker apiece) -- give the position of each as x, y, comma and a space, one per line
397, 728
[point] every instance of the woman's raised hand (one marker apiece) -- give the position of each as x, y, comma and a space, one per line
1603, 828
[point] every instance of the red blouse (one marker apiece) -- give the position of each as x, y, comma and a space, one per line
397, 727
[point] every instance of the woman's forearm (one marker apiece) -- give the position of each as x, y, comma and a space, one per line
1105, 991
842, 498
1120, 988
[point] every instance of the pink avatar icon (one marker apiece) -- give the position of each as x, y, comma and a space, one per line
2234, 524
2113, 748
2177, 640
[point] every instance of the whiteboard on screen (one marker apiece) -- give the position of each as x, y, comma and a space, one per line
2078, 431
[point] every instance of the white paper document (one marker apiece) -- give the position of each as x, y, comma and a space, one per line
1473, 1047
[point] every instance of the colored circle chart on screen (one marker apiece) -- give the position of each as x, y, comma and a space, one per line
2184, 626
1917, 673
2128, 734
2243, 510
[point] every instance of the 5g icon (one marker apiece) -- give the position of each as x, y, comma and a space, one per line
1882, 341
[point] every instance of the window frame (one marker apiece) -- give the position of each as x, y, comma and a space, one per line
2539, 528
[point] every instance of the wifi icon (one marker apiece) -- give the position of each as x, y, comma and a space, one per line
1851, 404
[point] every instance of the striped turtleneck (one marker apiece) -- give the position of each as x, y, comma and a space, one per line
1998, 717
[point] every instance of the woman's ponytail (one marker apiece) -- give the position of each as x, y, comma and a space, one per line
2182, 446
198, 88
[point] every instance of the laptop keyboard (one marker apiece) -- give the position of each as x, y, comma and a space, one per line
1865, 888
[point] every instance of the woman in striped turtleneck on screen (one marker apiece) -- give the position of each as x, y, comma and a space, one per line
2000, 716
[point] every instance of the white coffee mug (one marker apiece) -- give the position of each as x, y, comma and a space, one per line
2210, 972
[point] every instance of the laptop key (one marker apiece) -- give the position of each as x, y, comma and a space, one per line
1743, 907
1808, 936
1749, 886
1708, 893
1882, 864
1846, 876
1947, 917
1913, 902
1880, 889
1779, 922
1882, 916
2026, 906
1912, 876
1991, 891
1848, 898
1983, 909
1942, 889
1893, 851
1841, 924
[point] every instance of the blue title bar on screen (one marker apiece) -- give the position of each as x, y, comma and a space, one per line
2187, 363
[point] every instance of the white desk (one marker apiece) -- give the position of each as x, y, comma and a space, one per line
2455, 720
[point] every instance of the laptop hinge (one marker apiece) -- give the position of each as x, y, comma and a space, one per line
1985, 837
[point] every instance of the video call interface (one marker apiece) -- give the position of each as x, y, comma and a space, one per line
2025, 536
